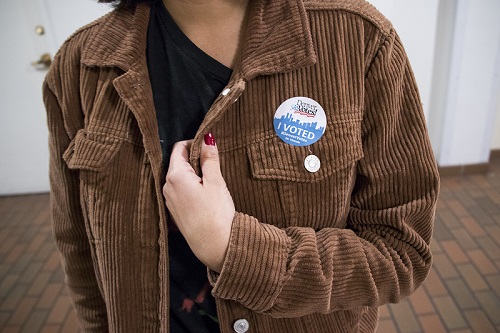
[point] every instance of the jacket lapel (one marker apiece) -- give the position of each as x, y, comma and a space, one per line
121, 43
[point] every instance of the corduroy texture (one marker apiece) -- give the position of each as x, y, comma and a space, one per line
309, 252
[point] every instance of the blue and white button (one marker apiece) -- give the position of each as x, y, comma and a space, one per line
300, 121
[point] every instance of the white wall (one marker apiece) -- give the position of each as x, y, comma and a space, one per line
495, 145
444, 50
63, 17
473, 84
415, 23
454, 48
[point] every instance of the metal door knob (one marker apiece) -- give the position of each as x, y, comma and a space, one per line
43, 63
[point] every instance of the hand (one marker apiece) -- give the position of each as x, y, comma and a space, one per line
202, 208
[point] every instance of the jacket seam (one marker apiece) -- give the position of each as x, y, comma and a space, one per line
383, 42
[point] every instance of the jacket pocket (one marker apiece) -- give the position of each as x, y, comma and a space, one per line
311, 199
91, 152
95, 156
272, 158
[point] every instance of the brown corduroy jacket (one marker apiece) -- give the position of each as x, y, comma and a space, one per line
309, 252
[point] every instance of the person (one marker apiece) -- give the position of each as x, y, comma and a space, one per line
238, 166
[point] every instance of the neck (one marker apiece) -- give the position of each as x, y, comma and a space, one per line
215, 26
205, 12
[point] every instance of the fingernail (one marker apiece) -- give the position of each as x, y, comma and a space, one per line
209, 139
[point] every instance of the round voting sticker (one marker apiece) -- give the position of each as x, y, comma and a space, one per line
300, 121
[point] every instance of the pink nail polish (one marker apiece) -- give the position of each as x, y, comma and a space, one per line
209, 139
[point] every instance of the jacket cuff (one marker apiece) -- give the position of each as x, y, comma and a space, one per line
253, 272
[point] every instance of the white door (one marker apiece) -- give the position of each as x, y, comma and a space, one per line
31, 31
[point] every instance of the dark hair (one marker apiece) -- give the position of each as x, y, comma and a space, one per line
125, 4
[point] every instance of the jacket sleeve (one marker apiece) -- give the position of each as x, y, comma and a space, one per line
68, 222
383, 254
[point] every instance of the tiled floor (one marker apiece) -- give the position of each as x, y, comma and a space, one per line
461, 294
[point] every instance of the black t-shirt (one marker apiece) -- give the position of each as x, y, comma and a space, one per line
185, 83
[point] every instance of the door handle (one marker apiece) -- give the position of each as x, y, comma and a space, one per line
43, 63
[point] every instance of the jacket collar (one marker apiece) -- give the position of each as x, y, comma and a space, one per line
120, 41
278, 39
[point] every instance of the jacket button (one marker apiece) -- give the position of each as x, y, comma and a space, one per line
241, 326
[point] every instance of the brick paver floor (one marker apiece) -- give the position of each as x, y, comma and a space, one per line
461, 294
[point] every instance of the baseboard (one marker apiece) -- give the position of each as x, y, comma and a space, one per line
495, 155
470, 169
464, 170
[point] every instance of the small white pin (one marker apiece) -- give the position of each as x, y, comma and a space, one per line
312, 163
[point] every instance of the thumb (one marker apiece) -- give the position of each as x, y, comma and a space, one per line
209, 159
